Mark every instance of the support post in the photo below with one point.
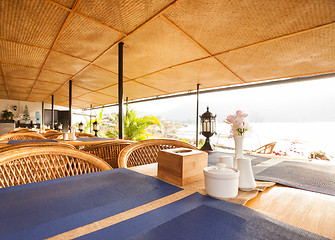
(120, 90)
(52, 113)
(197, 119)
(91, 120)
(42, 118)
(70, 103)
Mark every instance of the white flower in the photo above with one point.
(238, 125)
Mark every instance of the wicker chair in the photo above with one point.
(44, 163)
(79, 135)
(266, 149)
(16, 130)
(146, 152)
(108, 151)
(21, 135)
(51, 131)
(51, 135)
(34, 145)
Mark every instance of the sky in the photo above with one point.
(307, 101)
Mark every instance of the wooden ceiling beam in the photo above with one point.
(277, 38)
(88, 18)
(120, 40)
(214, 55)
(200, 46)
(59, 5)
(4, 79)
(67, 20)
(24, 44)
(29, 45)
(100, 23)
(173, 66)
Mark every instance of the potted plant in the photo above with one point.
(7, 115)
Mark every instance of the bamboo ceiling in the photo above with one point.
(169, 46)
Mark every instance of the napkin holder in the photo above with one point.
(181, 166)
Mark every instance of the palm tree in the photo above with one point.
(99, 118)
(134, 126)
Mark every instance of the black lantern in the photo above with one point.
(208, 128)
(96, 128)
(81, 127)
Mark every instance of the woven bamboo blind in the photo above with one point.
(169, 46)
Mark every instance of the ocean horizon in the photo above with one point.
(301, 137)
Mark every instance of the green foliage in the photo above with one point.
(7, 114)
(201, 143)
(134, 126)
(101, 122)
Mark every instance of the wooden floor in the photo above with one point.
(311, 211)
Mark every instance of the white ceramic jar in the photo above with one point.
(65, 136)
(221, 182)
(228, 160)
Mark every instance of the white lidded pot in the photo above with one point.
(221, 182)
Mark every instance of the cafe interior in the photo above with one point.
(86, 54)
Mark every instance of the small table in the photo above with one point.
(311, 211)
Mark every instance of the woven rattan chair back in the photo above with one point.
(44, 163)
(266, 149)
(34, 145)
(146, 152)
(20, 130)
(79, 135)
(51, 135)
(108, 151)
(51, 131)
(21, 135)
(83, 135)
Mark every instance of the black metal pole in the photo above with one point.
(70, 103)
(120, 90)
(91, 120)
(42, 118)
(197, 119)
(52, 113)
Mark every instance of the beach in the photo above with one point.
(294, 138)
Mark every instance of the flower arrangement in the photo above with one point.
(238, 124)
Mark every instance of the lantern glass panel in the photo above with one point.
(208, 126)
(203, 125)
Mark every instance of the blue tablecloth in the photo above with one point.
(44, 209)
(30, 141)
(199, 217)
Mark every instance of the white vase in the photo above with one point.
(246, 178)
(238, 148)
(73, 136)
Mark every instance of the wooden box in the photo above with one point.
(181, 166)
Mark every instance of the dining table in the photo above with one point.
(134, 203)
(78, 143)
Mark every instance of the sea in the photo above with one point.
(297, 139)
